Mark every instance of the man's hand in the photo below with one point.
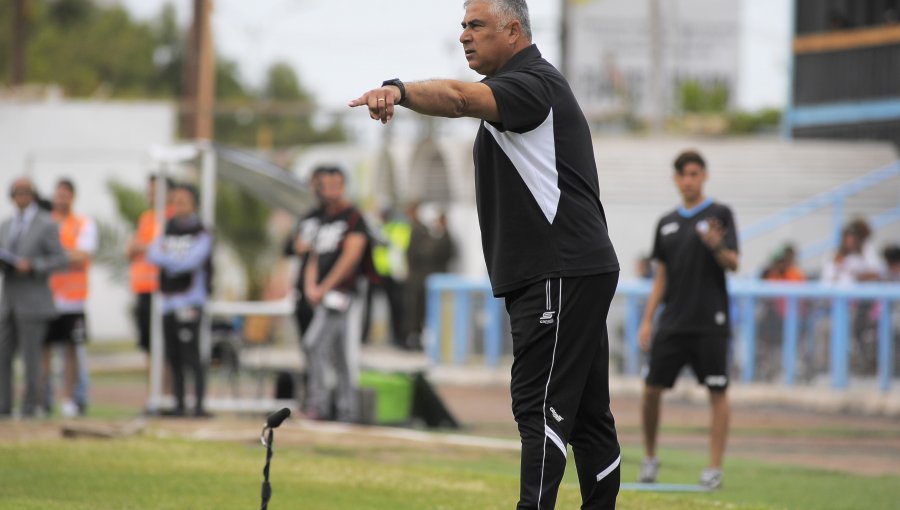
(644, 335)
(714, 234)
(313, 295)
(135, 248)
(23, 266)
(380, 101)
(301, 246)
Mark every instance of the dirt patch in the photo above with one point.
(854, 444)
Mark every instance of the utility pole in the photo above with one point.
(200, 83)
(564, 37)
(17, 63)
(657, 70)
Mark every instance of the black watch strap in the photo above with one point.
(399, 84)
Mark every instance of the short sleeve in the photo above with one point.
(357, 224)
(658, 253)
(89, 238)
(523, 99)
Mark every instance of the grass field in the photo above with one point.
(165, 471)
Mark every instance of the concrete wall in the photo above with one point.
(91, 143)
(757, 177)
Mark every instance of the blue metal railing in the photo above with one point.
(745, 295)
(835, 198)
(462, 291)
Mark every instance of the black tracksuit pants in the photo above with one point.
(560, 388)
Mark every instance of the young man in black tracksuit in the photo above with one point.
(693, 247)
(545, 241)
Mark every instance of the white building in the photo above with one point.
(90, 142)
(618, 49)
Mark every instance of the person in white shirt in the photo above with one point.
(78, 236)
(854, 261)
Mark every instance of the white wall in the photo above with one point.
(90, 143)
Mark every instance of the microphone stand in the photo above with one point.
(267, 437)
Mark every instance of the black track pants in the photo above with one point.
(560, 388)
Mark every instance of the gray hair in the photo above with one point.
(508, 11)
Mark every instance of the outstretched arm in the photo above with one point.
(438, 98)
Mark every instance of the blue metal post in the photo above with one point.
(492, 330)
(433, 324)
(840, 332)
(462, 318)
(885, 346)
(748, 329)
(631, 332)
(791, 330)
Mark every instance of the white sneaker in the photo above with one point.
(711, 478)
(68, 409)
(649, 470)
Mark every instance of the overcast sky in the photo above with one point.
(343, 47)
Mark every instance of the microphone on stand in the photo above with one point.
(273, 421)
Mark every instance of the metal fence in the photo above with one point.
(809, 314)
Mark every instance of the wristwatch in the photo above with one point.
(399, 84)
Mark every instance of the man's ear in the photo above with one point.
(515, 31)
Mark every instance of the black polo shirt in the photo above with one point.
(306, 229)
(328, 245)
(536, 184)
(696, 298)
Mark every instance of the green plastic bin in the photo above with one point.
(393, 395)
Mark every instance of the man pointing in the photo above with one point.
(545, 244)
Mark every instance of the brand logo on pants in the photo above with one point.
(547, 317)
(556, 415)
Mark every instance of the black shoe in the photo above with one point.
(202, 413)
(178, 412)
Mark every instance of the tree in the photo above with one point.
(91, 50)
(273, 128)
(241, 223)
(130, 203)
(282, 84)
(695, 97)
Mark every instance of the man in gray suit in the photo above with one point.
(29, 251)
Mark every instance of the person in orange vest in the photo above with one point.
(143, 273)
(78, 236)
